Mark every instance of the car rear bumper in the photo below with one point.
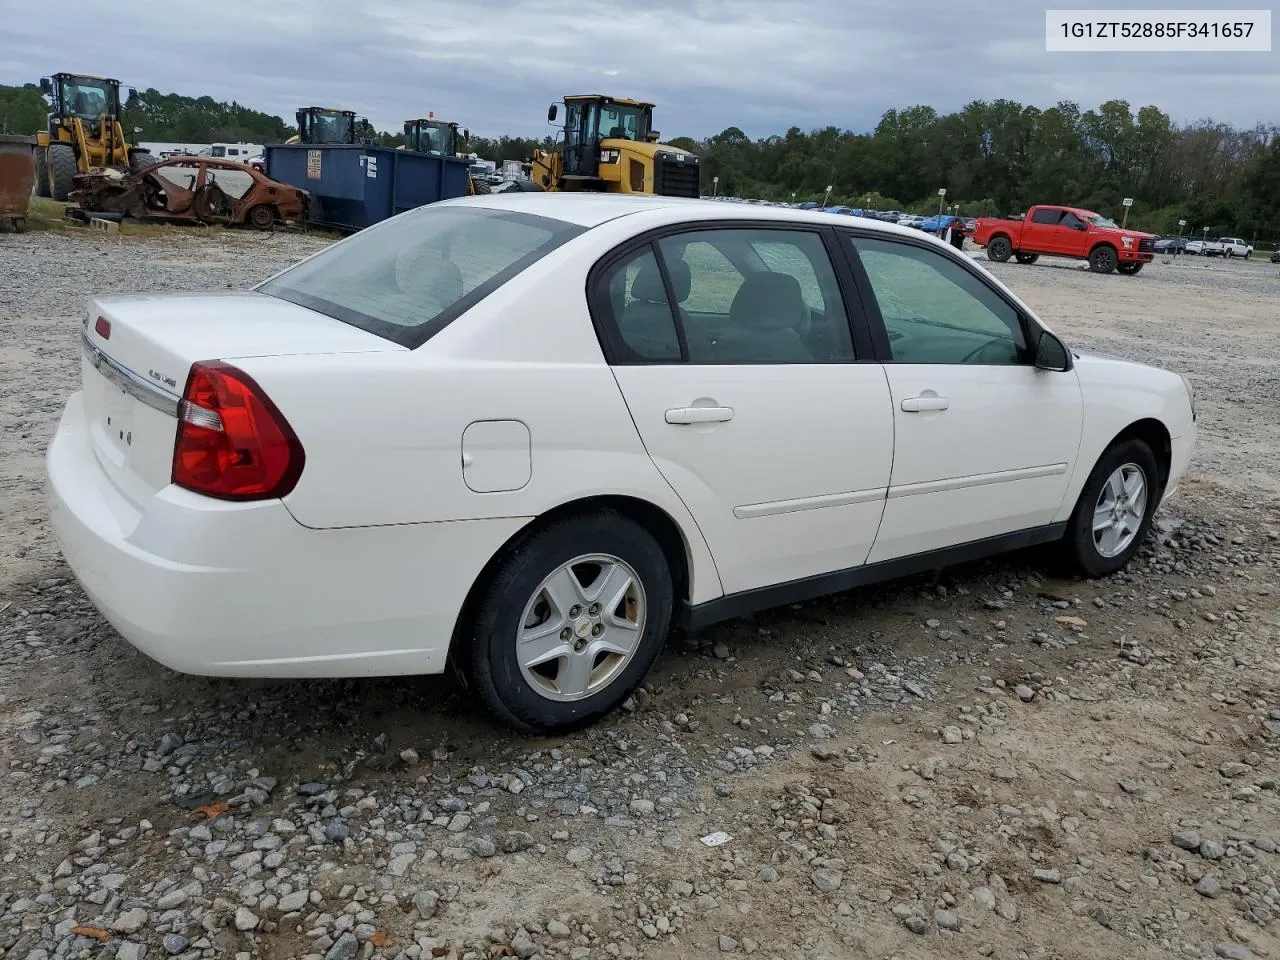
(242, 589)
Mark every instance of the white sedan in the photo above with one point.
(524, 435)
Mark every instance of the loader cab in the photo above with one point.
(84, 98)
(592, 119)
(321, 125)
(436, 137)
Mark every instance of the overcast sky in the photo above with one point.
(495, 65)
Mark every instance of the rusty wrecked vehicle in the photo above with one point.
(191, 188)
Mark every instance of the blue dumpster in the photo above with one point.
(355, 185)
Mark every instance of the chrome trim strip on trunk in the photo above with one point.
(128, 381)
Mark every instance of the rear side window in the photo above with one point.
(1047, 216)
(406, 278)
(732, 295)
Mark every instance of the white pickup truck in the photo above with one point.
(1228, 247)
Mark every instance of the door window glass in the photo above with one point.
(641, 313)
(936, 311)
(757, 296)
(1046, 215)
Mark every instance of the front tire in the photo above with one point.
(999, 249)
(1113, 515)
(62, 170)
(1026, 259)
(1130, 268)
(42, 172)
(139, 159)
(1103, 259)
(570, 623)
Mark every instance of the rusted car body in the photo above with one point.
(17, 176)
(192, 188)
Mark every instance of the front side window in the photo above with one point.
(1071, 221)
(405, 278)
(936, 311)
(619, 122)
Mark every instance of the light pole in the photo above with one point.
(942, 193)
(1178, 249)
(826, 196)
(715, 186)
(1128, 202)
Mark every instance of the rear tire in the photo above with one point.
(42, 172)
(550, 696)
(999, 249)
(1027, 258)
(528, 186)
(261, 217)
(62, 170)
(1086, 543)
(1103, 259)
(480, 187)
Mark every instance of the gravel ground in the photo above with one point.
(992, 761)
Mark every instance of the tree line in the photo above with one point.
(992, 157)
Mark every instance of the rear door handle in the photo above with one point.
(699, 414)
(918, 404)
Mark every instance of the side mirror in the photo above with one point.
(1052, 353)
(46, 86)
(653, 136)
(552, 112)
(1082, 227)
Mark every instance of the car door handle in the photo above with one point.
(699, 414)
(918, 404)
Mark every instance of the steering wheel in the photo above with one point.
(978, 350)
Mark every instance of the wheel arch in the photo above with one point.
(670, 536)
(1149, 429)
(1155, 435)
(1105, 243)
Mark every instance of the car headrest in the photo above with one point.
(769, 301)
(648, 282)
(438, 279)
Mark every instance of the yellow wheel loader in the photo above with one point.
(610, 146)
(320, 125)
(84, 133)
(440, 138)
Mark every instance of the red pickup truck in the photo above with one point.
(1065, 232)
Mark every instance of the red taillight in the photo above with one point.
(103, 328)
(233, 443)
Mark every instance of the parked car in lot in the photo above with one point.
(1275, 255)
(1171, 245)
(1066, 232)
(526, 434)
(1195, 247)
(1228, 247)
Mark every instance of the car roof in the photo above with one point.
(592, 209)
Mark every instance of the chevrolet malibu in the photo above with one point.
(522, 436)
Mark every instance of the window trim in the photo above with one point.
(1031, 328)
(600, 307)
(562, 232)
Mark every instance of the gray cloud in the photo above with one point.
(494, 65)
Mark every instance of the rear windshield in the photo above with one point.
(406, 278)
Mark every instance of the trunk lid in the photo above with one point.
(137, 351)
